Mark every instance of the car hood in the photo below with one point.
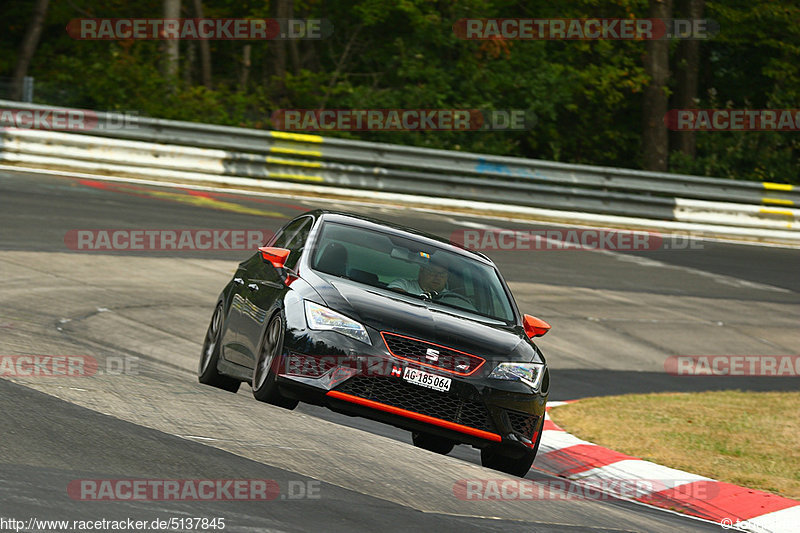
(386, 311)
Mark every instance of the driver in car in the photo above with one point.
(431, 280)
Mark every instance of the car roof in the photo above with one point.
(366, 222)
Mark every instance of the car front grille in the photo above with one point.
(431, 354)
(523, 424)
(398, 393)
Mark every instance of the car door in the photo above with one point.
(233, 348)
(264, 287)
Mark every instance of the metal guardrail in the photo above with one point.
(124, 141)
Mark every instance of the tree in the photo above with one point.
(28, 48)
(205, 49)
(655, 138)
(687, 68)
(172, 10)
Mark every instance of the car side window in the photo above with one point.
(286, 235)
(294, 239)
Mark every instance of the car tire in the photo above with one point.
(432, 443)
(265, 386)
(492, 457)
(207, 372)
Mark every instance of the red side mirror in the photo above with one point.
(534, 327)
(276, 256)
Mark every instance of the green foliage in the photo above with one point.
(586, 95)
(751, 64)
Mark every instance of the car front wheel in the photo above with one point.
(265, 386)
(432, 443)
(497, 459)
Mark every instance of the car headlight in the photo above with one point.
(324, 319)
(530, 374)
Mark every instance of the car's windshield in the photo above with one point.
(412, 267)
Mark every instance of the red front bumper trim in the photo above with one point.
(415, 416)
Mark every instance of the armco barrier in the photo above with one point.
(155, 147)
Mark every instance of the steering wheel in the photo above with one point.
(457, 296)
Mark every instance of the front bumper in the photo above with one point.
(348, 376)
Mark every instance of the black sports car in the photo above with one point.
(378, 320)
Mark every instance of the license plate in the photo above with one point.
(426, 379)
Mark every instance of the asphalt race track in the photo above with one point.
(616, 316)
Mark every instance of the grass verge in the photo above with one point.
(747, 438)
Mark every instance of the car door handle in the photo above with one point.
(252, 286)
(238, 281)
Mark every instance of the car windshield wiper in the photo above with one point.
(472, 311)
(398, 293)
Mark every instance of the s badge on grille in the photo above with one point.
(431, 354)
